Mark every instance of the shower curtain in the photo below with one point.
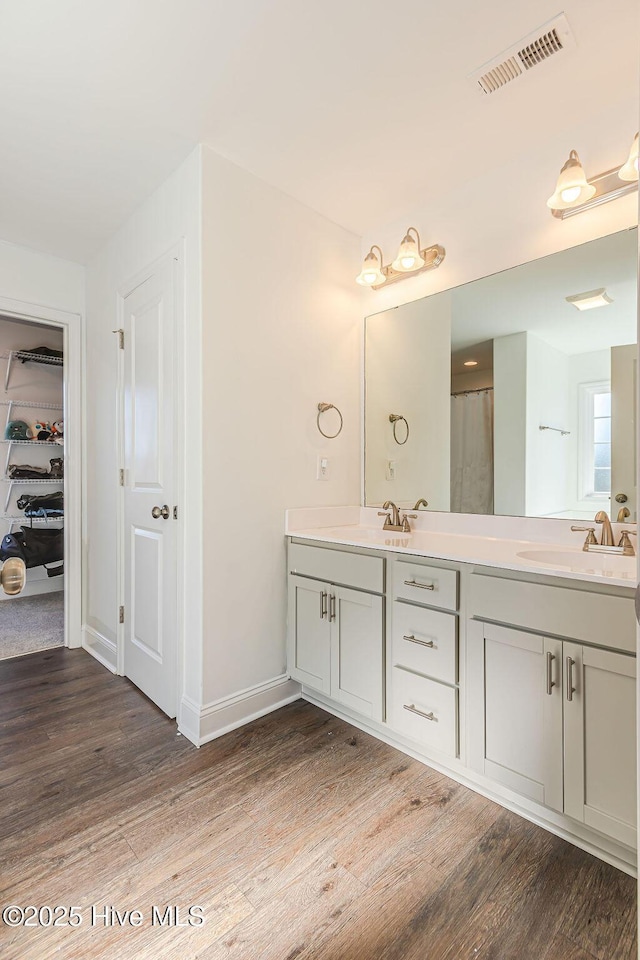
(472, 452)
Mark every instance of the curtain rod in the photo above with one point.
(464, 393)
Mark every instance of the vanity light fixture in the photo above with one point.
(590, 299)
(410, 261)
(372, 274)
(575, 193)
(572, 186)
(409, 258)
(629, 169)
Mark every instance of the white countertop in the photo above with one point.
(559, 557)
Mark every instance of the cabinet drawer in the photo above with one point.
(425, 641)
(596, 618)
(337, 566)
(411, 693)
(424, 583)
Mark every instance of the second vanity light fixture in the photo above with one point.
(410, 260)
(574, 193)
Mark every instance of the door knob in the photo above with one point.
(621, 498)
(158, 512)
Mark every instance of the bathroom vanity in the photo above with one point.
(506, 661)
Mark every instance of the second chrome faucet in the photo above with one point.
(607, 541)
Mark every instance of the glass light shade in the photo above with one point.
(629, 170)
(408, 258)
(572, 187)
(371, 273)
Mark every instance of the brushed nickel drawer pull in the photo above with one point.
(550, 680)
(422, 643)
(323, 604)
(411, 707)
(570, 687)
(423, 586)
(332, 607)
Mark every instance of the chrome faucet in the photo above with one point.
(606, 540)
(393, 521)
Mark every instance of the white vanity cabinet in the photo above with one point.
(336, 629)
(557, 717)
(599, 740)
(520, 685)
(423, 693)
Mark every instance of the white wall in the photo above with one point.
(171, 213)
(408, 370)
(547, 451)
(281, 332)
(37, 278)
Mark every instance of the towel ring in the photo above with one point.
(394, 418)
(322, 408)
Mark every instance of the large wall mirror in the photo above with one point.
(513, 394)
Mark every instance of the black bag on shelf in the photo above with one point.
(24, 471)
(50, 505)
(36, 547)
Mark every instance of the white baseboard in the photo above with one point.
(189, 720)
(34, 588)
(218, 717)
(100, 647)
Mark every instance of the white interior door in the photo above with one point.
(150, 530)
(624, 363)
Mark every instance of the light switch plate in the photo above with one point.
(323, 469)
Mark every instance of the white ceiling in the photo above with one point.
(356, 108)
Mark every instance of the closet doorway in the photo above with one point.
(36, 453)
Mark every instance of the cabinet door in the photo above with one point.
(523, 713)
(600, 740)
(356, 650)
(309, 632)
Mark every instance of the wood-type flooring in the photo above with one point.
(298, 836)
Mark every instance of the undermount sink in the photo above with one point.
(581, 560)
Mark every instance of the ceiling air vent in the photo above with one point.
(552, 38)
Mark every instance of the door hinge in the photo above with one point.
(120, 338)
(175, 513)
(121, 617)
(122, 478)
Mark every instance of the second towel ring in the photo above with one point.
(394, 418)
(322, 408)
